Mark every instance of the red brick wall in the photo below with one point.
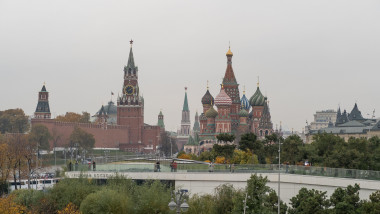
(151, 136)
(104, 138)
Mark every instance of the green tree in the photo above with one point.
(373, 205)
(106, 201)
(168, 144)
(258, 195)
(223, 195)
(346, 201)
(247, 141)
(41, 135)
(81, 138)
(272, 203)
(309, 201)
(225, 137)
(201, 204)
(270, 150)
(72, 190)
(206, 155)
(325, 144)
(13, 121)
(152, 197)
(223, 150)
(29, 198)
(290, 149)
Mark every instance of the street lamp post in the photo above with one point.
(171, 147)
(245, 201)
(175, 203)
(279, 173)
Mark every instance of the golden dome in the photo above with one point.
(229, 53)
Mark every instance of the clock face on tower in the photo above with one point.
(128, 90)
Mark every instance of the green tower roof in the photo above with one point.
(185, 103)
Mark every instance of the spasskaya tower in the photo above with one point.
(130, 105)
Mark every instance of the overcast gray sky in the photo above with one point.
(310, 55)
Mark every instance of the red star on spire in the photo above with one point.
(131, 42)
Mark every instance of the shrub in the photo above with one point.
(106, 201)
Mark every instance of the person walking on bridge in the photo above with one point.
(175, 166)
(211, 167)
(158, 166)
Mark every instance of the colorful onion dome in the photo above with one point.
(222, 98)
(207, 98)
(243, 113)
(244, 103)
(257, 98)
(211, 113)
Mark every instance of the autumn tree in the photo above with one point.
(5, 167)
(29, 156)
(16, 147)
(13, 121)
(9, 206)
(69, 209)
(74, 117)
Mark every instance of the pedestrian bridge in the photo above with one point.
(197, 179)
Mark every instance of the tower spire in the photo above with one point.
(258, 81)
(185, 103)
(131, 60)
(229, 76)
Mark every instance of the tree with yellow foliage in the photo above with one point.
(16, 147)
(74, 117)
(69, 209)
(5, 166)
(220, 159)
(8, 206)
(184, 156)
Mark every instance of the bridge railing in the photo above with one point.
(226, 168)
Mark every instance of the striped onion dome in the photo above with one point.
(211, 113)
(222, 98)
(257, 98)
(207, 98)
(244, 103)
(243, 113)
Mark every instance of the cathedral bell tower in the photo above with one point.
(130, 105)
(231, 87)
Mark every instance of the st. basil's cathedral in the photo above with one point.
(233, 115)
